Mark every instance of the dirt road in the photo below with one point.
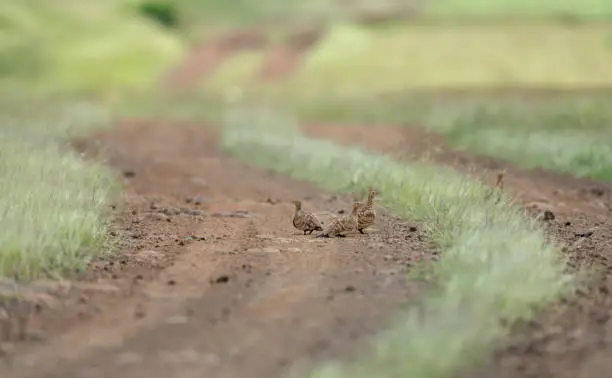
(212, 280)
(572, 338)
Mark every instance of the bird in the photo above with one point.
(305, 220)
(367, 213)
(499, 186)
(341, 226)
(500, 179)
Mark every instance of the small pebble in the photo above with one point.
(222, 279)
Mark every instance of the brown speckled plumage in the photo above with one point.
(343, 225)
(304, 220)
(367, 213)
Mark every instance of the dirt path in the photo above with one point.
(572, 338)
(215, 281)
(281, 58)
(279, 62)
(212, 280)
(205, 58)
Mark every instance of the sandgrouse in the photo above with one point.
(305, 220)
(367, 213)
(343, 225)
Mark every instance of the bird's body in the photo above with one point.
(342, 225)
(500, 179)
(367, 214)
(304, 220)
(499, 186)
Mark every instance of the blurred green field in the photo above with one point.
(570, 133)
(54, 203)
(57, 61)
(401, 73)
(81, 47)
(353, 61)
(247, 12)
(590, 9)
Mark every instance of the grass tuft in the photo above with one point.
(496, 264)
(52, 202)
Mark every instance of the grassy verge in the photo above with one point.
(571, 136)
(496, 264)
(567, 132)
(400, 74)
(53, 203)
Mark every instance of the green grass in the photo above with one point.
(82, 47)
(241, 12)
(54, 204)
(384, 75)
(246, 13)
(353, 61)
(569, 132)
(538, 139)
(495, 264)
(590, 9)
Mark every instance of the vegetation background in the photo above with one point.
(525, 81)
